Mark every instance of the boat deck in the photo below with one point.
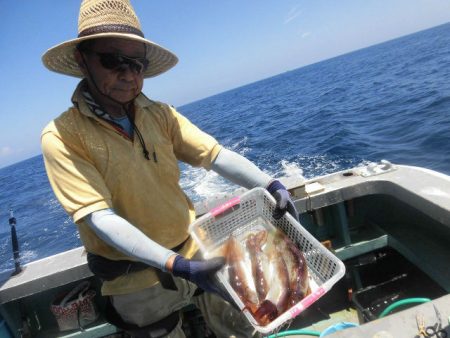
(358, 211)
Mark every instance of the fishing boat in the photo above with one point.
(389, 224)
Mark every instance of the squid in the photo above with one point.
(269, 273)
(278, 295)
(239, 274)
(259, 263)
(297, 268)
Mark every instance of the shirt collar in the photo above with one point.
(78, 100)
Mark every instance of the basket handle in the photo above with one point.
(306, 302)
(226, 208)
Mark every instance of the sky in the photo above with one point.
(221, 45)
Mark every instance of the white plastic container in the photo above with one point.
(250, 212)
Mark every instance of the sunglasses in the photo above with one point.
(119, 62)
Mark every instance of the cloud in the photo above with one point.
(306, 34)
(293, 13)
(5, 151)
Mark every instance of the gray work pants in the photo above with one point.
(153, 304)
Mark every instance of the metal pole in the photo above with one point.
(15, 243)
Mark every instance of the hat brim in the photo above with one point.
(61, 58)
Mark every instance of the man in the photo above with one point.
(112, 162)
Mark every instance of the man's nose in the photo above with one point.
(127, 73)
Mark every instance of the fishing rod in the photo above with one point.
(24, 331)
(15, 243)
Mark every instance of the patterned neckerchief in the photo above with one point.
(123, 124)
(95, 108)
(98, 111)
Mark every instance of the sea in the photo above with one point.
(389, 101)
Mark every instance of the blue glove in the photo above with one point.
(201, 273)
(283, 198)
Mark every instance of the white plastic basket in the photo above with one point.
(250, 212)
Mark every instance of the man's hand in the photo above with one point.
(200, 272)
(283, 198)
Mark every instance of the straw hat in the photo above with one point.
(107, 18)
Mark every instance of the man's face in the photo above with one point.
(121, 83)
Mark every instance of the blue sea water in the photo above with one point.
(389, 101)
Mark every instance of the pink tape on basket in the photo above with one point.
(305, 303)
(221, 208)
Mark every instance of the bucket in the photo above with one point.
(4, 332)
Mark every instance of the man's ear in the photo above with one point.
(80, 61)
